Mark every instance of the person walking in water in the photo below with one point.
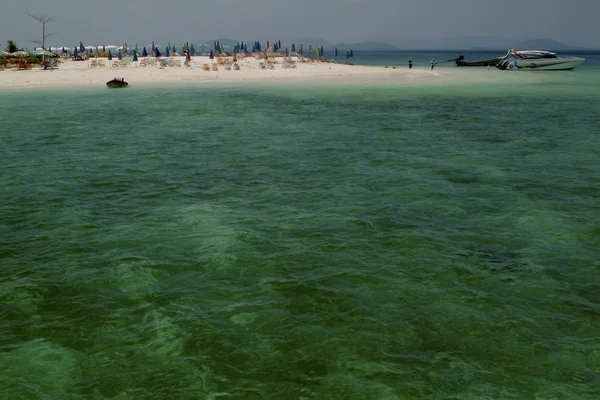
(409, 62)
(432, 63)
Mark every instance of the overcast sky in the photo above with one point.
(574, 22)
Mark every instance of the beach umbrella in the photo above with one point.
(321, 52)
(81, 48)
(293, 48)
(222, 49)
(144, 52)
(246, 48)
(103, 49)
(202, 49)
(351, 53)
(212, 55)
(287, 52)
(279, 44)
(347, 53)
(135, 58)
(300, 50)
(174, 51)
(192, 50)
(335, 52)
(63, 49)
(153, 47)
(167, 52)
(109, 55)
(75, 52)
(215, 45)
(310, 49)
(156, 52)
(96, 51)
(120, 56)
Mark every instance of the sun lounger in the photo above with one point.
(101, 63)
(142, 63)
(171, 62)
(178, 63)
(206, 67)
(115, 64)
(215, 67)
(163, 63)
(270, 65)
(236, 66)
(262, 65)
(123, 63)
(93, 64)
(50, 65)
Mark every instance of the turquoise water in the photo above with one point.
(316, 241)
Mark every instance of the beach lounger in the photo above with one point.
(50, 65)
(115, 64)
(178, 63)
(171, 62)
(123, 63)
(142, 63)
(101, 63)
(270, 65)
(215, 67)
(236, 66)
(206, 67)
(163, 63)
(93, 64)
(262, 65)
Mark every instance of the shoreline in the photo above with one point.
(81, 74)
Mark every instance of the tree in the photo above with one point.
(11, 46)
(44, 19)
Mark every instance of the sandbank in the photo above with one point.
(82, 73)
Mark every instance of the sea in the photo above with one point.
(434, 239)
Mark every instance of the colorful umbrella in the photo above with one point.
(167, 52)
(144, 52)
(212, 55)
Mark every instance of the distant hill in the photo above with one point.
(543, 44)
(364, 46)
(314, 41)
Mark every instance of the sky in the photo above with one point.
(407, 23)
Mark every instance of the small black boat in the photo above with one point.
(117, 83)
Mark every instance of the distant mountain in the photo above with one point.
(312, 40)
(543, 44)
(364, 46)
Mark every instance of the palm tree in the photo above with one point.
(11, 46)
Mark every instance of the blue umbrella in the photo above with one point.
(156, 53)
(192, 50)
(120, 56)
(321, 52)
(75, 52)
(103, 49)
(336, 51)
(144, 52)
(167, 52)
(63, 50)
(246, 48)
(174, 51)
(109, 55)
(215, 45)
(212, 55)
(293, 48)
(135, 56)
(351, 53)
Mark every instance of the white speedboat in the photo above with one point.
(538, 60)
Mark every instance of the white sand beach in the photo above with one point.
(84, 73)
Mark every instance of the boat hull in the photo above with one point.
(545, 64)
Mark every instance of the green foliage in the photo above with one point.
(11, 46)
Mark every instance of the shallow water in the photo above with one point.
(368, 241)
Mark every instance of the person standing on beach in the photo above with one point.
(432, 63)
(409, 62)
